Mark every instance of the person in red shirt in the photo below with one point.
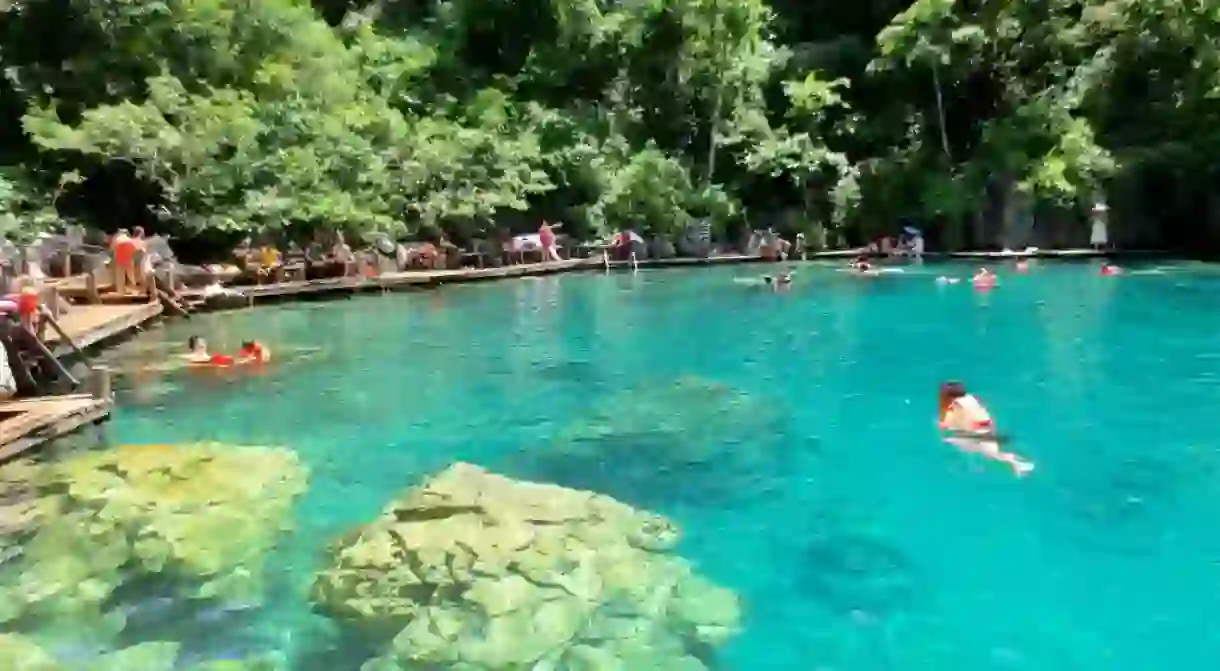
(124, 248)
(546, 237)
(254, 352)
(28, 304)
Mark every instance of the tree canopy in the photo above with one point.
(228, 117)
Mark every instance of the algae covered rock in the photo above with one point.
(19, 653)
(697, 438)
(472, 570)
(199, 517)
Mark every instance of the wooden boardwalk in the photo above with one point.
(27, 424)
(407, 279)
(87, 325)
(1058, 254)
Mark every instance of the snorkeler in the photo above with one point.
(968, 426)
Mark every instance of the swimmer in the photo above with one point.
(861, 264)
(1110, 269)
(1022, 266)
(254, 352)
(947, 280)
(968, 426)
(984, 279)
(197, 350)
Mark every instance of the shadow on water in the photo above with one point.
(627, 467)
(688, 441)
(857, 575)
(574, 371)
(1123, 507)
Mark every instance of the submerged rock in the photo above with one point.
(21, 653)
(200, 517)
(475, 571)
(695, 439)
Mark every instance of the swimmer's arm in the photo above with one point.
(949, 420)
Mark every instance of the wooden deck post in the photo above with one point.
(91, 291)
(99, 383)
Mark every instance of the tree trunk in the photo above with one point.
(714, 140)
(1016, 217)
(940, 113)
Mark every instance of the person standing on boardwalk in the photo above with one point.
(144, 261)
(546, 238)
(1099, 235)
(124, 249)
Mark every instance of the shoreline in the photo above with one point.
(249, 296)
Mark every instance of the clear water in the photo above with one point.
(875, 547)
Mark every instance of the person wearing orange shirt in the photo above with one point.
(253, 351)
(124, 249)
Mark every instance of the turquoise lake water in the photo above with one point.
(865, 544)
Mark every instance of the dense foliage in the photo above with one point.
(226, 117)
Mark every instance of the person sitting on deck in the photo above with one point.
(269, 262)
(342, 254)
(252, 351)
(624, 245)
(27, 303)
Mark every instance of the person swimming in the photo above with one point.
(1110, 269)
(861, 264)
(968, 426)
(197, 350)
(251, 351)
(1022, 266)
(254, 352)
(781, 280)
(984, 279)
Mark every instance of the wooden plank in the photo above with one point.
(90, 324)
(59, 418)
(23, 404)
(407, 278)
(695, 261)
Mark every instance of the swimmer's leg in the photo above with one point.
(991, 450)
